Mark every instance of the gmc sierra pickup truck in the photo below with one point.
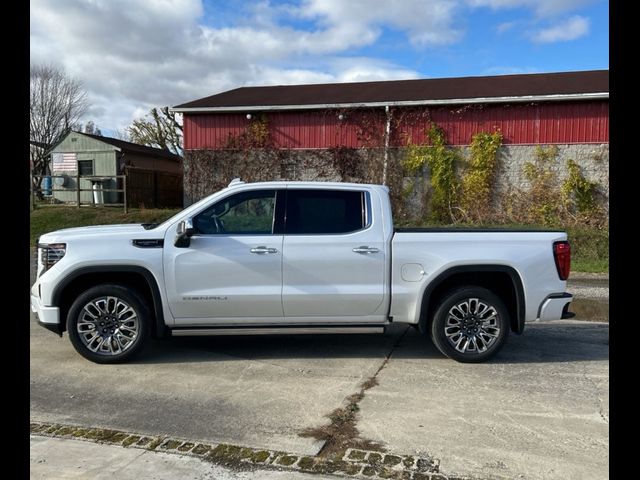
(295, 258)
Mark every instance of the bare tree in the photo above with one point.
(121, 135)
(91, 128)
(56, 103)
(159, 128)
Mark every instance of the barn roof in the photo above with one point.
(593, 84)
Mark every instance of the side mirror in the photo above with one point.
(183, 233)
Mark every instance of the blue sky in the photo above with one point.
(132, 55)
(492, 41)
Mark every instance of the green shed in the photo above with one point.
(154, 175)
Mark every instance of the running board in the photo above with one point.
(187, 332)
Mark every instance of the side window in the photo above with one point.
(248, 213)
(85, 167)
(324, 211)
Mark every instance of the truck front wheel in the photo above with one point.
(470, 324)
(108, 324)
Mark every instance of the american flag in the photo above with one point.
(63, 162)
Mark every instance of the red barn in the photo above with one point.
(568, 109)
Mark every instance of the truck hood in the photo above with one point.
(96, 230)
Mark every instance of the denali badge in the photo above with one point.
(204, 297)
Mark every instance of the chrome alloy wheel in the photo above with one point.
(108, 325)
(472, 326)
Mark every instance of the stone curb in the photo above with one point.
(355, 463)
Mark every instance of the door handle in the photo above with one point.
(261, 250)
(365, 249)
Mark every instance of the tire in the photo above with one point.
(116, 310)
(470, 324)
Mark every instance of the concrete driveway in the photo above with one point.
(538, 411)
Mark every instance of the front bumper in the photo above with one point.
(48, 317)
(555, 307)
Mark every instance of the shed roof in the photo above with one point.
(501, 88)
(129, 147)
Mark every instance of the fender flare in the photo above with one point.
(517, 324)
(160, 326)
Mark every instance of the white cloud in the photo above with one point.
(571, 29)
(504, 70)
(361, 69)
(505, 26)
(426, 22)
(542, 8)
(132, 56)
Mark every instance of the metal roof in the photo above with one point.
(582, 85)
(135, 147)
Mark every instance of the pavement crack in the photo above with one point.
(342, 432)
(598, 398)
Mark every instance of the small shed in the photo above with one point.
(153, 175)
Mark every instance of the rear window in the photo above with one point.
(324, 212)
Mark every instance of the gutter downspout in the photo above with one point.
(387, 132)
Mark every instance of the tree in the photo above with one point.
(56, 103)
(121, 135)
(91, 128)
(159, 128)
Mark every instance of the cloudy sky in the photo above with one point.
(132, 55)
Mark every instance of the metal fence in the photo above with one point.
(65, 190)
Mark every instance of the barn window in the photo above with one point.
(85, 168)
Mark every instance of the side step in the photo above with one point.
(187, 332)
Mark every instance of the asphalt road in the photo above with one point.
(538, 411)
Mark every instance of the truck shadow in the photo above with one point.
(541, 343)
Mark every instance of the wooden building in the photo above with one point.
(154, 175)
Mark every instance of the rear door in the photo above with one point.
(333, 258)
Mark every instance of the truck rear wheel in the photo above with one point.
(108, 324)
(470, 324)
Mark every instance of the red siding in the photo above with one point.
(543, 123)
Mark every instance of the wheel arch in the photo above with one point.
(502, 280)
(133, 276)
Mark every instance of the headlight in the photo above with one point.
(50, 253)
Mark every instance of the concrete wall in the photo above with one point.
(208, 171)
(593, 160)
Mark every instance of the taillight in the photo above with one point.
(562, 256)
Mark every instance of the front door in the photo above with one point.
(232, 270)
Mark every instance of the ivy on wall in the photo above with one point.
(478, 182)
(457, 190)
(579, 193)
(442, 162)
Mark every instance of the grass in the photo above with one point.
(589, 249)
(589, 246)
(48, 219)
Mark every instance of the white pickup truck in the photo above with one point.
(295, 257)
